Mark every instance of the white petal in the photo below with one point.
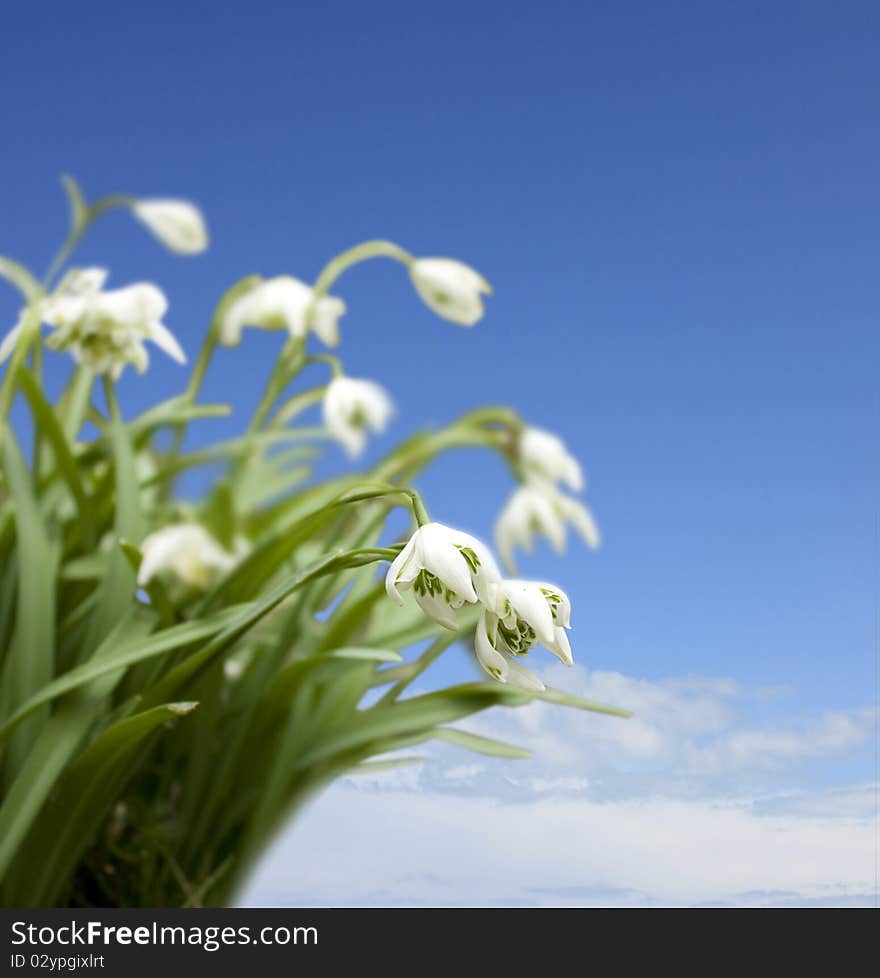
(544, 455)
(531, 605)
(560, 646)
(435, 607)
(438, 554)
(522, 678)
(325, 319)
(166, 341)
(496, 665)
(395, 572)
(178, 224)
(83, 281)
(136, 305)
(450, 288)
(581, 519)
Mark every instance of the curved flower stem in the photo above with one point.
(82, 221)
(414, 499)
(75, 400)
(287, 366)
(296, 405)
(418, 453)
(209, 345)
(333, 362)
(368, 249)
(412, 670)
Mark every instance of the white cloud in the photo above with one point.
(397, 848)
(688, 803)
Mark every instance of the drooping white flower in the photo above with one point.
(105, 331)
(540, 508)
(445, 568)
(188, 554)
(283, 302)
(543, 455)
(499, 666)
(531, 612)
(450, 288)
(353, 407)
(178, 224)
(521, 615)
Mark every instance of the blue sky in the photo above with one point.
(677, 205)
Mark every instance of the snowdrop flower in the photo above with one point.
(287, 303)
(544, 455)
(521, 615)
(540, 508)
(450, 288)
(445, 569)
(105, 331)
(352, 407)
(186, 552)
(178, 224)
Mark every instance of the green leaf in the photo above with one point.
(195, 663)
(31, 660)
(48, 424)
(377, 767)
(122, 653)
(21, 278)
(79, 209)
(218, 515)
(58, 741)
(371, 655)
(576, 702)
(481, 745)
(84, 794)
(418, 715)
(117, 589)
(154, 588)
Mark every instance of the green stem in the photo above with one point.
(362, 252)
(413, 498)
(286, 368)
(203, 361)
(30, 329)
(79, 229)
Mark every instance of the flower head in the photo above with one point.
(445, 569)
(543, 455)
(178, 224)
(540, 508)
(521, 615)
(287, 303)
(352, 407)
(450, 288)
(188, 554)
(103, 330)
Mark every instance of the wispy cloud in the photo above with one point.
(692, 802)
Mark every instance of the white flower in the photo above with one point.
(188, 553)
(450, 288)
(287, 303)
(445, 569)
(540, 508)
(502, 667)
(520, 615)
(103, 330)
(352, 407)
(544, 455)
(178, 224)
